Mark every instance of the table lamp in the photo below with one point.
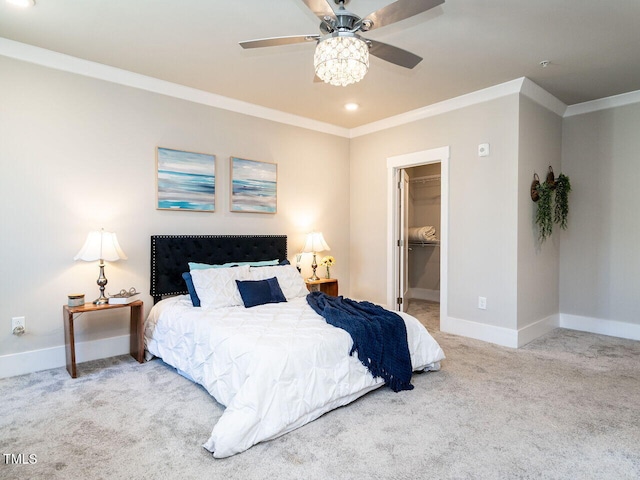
(101, 246)
(315, 243)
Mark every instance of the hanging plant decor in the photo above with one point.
(563, 187)
(548, 212)
(544, 214)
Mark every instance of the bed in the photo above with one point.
(275, 366)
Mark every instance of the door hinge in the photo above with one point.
(399, 300)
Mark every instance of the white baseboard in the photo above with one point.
(54, 357)
(537, 329)
(612, 328)
(505, 337)
(518, 338)
(480, 331)
(424, 294)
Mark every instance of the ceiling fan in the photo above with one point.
(342, 55)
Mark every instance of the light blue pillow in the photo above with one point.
(204, 266)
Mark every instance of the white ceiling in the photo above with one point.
(467, 45)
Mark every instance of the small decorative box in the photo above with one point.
(76, 300)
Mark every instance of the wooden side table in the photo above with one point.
(325, 285)
(137, 332)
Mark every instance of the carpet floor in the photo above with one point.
(563, 407)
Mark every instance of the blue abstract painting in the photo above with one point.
(253, 186)
(186, 180)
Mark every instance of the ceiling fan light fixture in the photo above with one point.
(341, 60)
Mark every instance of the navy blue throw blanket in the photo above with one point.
(379, 336)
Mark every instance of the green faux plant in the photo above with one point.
(561, 211)
(544, 213)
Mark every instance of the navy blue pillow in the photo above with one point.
(192, 290)
(259, 292)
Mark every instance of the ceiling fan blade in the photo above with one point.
(393, 54)
(321, 9)
(398, 10)
(277, 41)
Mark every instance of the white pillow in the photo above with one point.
(216, 287)
(289, 278)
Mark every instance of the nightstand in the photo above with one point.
(325, 285)
(137, 332)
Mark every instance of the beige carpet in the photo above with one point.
(563, 407)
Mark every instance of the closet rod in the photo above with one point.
(425, 179)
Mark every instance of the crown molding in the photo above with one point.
(603, 103)
(67, 63)
(520, 85)
(542, 97)
(479, 96)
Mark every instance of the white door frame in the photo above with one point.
(394, 164)
(402, 234)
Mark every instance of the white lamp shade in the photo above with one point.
(101, 245)
(315, 243)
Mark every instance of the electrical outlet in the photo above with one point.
(17, 322)
(482, 303)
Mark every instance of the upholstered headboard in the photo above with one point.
(170, 255)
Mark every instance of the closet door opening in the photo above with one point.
(418, 231)
(422, 264)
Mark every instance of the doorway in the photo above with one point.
(399, 220)
(423, 209)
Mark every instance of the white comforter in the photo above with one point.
(275, 367)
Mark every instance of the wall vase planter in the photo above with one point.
(551, 179)
(535, 196)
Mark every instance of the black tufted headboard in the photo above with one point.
(171, 253)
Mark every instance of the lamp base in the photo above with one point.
(101, 301)
(102, 282)
(314, 265)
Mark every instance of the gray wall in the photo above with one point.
(540, 145)
(78, 154)
(483, 207)
(599, 261)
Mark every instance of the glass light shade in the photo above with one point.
(315, 243)
(341, 61)
(101, 246)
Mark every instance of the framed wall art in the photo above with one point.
(185, 180)
(254, 186)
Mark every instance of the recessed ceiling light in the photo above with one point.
(351, 106)
(22, 3)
